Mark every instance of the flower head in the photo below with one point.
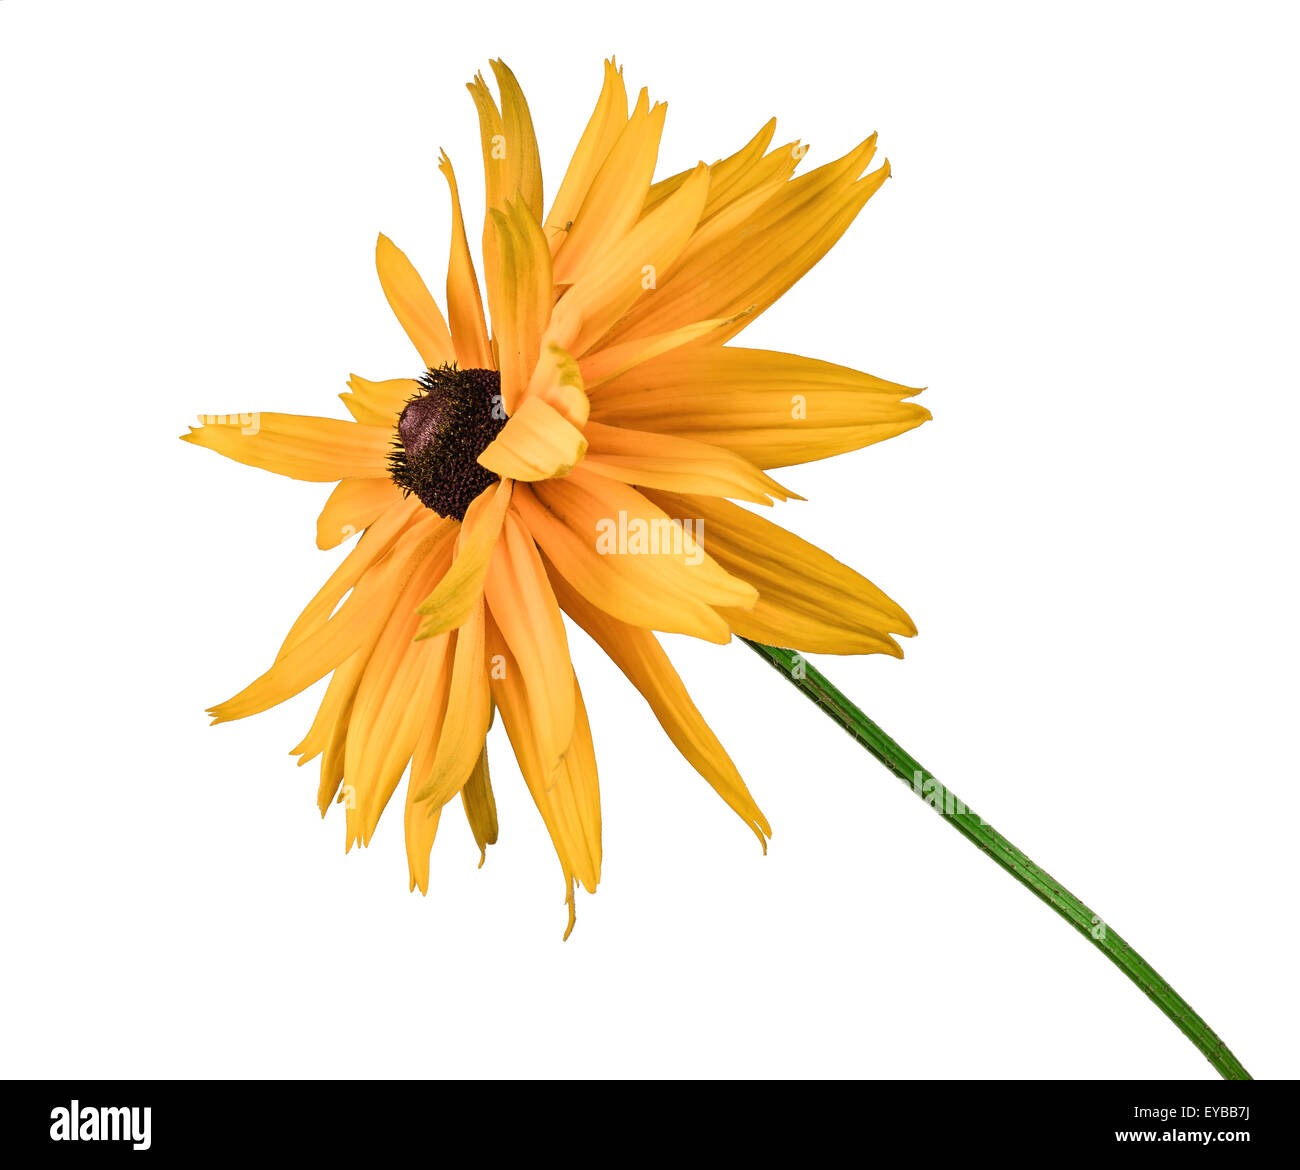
(581, 456)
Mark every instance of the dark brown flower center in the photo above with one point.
(441, 432)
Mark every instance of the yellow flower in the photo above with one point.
(579, 457)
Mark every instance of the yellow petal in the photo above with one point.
(603, 129)
(480, 805)
(464, 302)
(629, 558)
(455, 596)
(779, 162)
(731, 177)
(511, 166)
(519, 294)
(320, 652)
(783, 625)
(628, 527)
(378, 403)
(729, 221)
(675, 464)
(296, 445)
(774, 409)
(807, 599)
(413, 305)
(617, 193)
(727, 177)
(523, 606)
(374, 544)
(557, 380)
(576, 794)
(567, 795)
(392, 704)
(775, 279)
(629, 269)
(329, 729)
(421, 827)
(421, 821)
(493, 139)
(638, 655)
(737, 177)
(603, 365)
(762, 256)
(353, 506)
(522, 179)
(468, 717)
(537, 442)
(632, 589)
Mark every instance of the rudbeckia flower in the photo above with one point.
(576, 449)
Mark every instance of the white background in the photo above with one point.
(1088, 253)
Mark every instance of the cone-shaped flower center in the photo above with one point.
(441, 433)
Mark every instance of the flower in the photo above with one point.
(581, 457)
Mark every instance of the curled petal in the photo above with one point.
(537, 442)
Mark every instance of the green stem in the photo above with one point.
(869, 734)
